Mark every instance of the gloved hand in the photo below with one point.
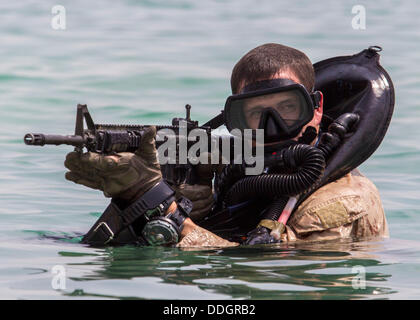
(123, 175)
(201, 194)
(260, 235)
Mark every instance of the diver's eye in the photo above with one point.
(287, 108)
(255, 113)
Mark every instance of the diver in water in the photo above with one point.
(273, 89)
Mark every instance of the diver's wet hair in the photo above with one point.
(265, 61)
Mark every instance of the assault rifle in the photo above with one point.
(107, 138)
(112, 138)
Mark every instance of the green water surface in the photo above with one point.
(141, 62)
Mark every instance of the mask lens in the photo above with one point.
(290, 105)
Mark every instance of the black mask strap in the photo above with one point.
(308, 136)
(266, 84)
(316, 98)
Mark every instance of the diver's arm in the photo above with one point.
(193, 235)
(200, 195)
(188, 224)
(196, 236)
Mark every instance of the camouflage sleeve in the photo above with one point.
(200, 237)
(348, 207)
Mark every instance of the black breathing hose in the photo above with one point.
(275, 209)
(307, 161)
(336, 132)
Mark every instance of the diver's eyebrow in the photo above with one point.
(286, 101)
(255, 107)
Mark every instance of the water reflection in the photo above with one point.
(300, 271)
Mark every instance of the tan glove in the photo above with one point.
(123, 175)
(201, 194)
(201, 197)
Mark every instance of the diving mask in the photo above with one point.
(279, 106)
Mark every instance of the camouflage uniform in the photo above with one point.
(349, 207)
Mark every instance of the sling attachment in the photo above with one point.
(115, 222)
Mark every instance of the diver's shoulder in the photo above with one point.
(338, 203)
(361, 184)
(353, 186)
(353, 183)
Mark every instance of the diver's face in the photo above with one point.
(316, 120)
(285, 103)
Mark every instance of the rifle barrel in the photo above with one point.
(39, 139)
